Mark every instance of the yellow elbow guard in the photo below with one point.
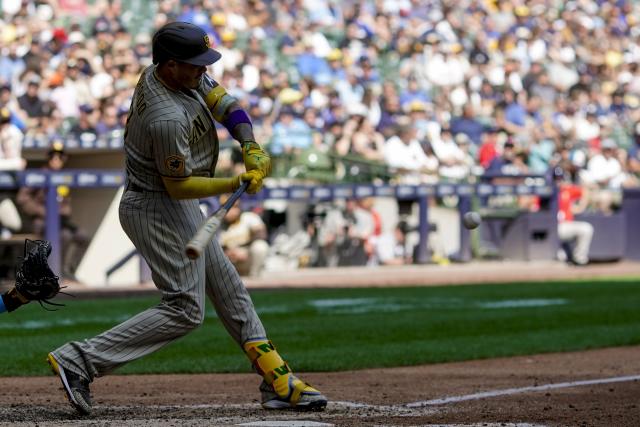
(218, 101)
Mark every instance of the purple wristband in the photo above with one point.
(236, 117)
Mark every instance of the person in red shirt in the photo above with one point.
(573, 199)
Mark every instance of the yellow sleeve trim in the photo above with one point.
(197, 187)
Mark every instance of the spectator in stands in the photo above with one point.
(413, 93)
(391, 247)
(109, 121)
(505, 162)
(84, 128)
(574, 235)
(404, 153)
(8, 101)
(291, 134)
(468, 125)
(243, 237)
(10, 143)
(604, 169)
(360, 138)
(32, 203)
(31, 103)
(452, 158)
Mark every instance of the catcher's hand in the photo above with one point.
(34, 279)
(255, 157)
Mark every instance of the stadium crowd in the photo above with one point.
(410, 91)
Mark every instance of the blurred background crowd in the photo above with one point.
(400, 91)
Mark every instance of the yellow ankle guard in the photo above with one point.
(275, 371)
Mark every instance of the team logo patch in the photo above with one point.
(206, 41)
(174, 164)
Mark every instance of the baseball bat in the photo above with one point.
(208, 229)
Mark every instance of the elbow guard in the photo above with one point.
(219, 101)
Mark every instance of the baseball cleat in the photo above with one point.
(301, 397)
(75, 387)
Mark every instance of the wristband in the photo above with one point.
(235, 118)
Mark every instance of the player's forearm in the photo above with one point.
(241, 131)
(197, 187)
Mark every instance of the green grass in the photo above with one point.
(339, 329)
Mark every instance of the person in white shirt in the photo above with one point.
(391, 248)
(243, 238)
(10, 143)
(453, 164)
(404, 153)
(604, 169)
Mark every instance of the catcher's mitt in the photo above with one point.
(34, 279)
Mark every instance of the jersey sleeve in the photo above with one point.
(206, 85)
(171, 151)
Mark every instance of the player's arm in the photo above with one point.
(227, 110)
(198, 187)
(170, 142)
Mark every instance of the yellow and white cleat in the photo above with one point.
(301, 397)
(281, 389)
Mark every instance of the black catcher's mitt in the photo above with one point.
(34, 279)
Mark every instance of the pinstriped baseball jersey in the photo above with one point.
(169, 133)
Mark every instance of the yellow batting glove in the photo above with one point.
(256, 158)
(254, 177)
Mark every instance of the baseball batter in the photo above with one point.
(171, 149)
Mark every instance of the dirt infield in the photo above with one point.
(592, 388)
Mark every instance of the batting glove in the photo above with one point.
(254, 177)
(255, 157)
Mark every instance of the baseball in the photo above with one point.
(471, 220)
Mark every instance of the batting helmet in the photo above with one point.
(183, 42)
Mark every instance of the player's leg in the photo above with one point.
(584, 235)
(258, 252)
(280, 388)
(159, 228)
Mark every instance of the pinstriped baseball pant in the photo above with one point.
(160, 227)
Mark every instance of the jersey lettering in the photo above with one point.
(198, 128)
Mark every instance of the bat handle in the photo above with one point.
(203, 236)
(236, 195)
